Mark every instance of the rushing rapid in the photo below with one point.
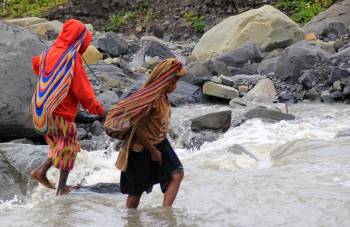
(289, 173)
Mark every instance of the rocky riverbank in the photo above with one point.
(255, 58)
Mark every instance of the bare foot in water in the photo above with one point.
(42, 179)
(67, 189)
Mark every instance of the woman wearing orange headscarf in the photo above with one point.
(62, 84)
(142, 120)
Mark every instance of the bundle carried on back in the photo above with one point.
(53, 87)
(124, 115)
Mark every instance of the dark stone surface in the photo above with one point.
(214, 121)
(103, 188)
(111, 43)
(267, 114)
(17, 81)
(197, 74)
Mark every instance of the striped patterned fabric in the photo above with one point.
(53, 87)
(125, 114)
(63, 140)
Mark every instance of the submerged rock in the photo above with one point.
(103, 188)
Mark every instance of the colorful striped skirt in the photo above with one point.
(63, 141)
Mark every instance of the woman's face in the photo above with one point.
(172, 85)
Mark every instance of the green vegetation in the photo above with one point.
(22, 8)
(196, 21)
(142, 15)
(302, 11)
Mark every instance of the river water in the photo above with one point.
(294, 173)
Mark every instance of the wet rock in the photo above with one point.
(17, 81)
(197, 74)
(264, 91)
(239, 150)
(103, 188)
(219, 90)
(241, 55)
(327, 97)
(199, 139)
(214, 121)
(88, 145)
(266, 26)
(151, 49)
(112, 43)
(15, 167)
(82, 133)
(346, 91)
(296, 58)
(268, 114)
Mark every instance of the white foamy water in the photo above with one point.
(290, 173)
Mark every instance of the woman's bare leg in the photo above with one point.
(173, 188)
(39, 174)
(133, 201)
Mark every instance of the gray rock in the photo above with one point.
(239, 150)
(264, 91)
(239, 80)
(346, 91)
(112, 43)
(103, 188)
(82, 133)
(219, 90)
(151, 49)
(337, 74)
(17, 81)
(268, 66)
(107, 99)
(16, 163)
(199, 139)
(267, 114)
(96, 128)
(327, 97)
(217, 68)
(214, 121)
(197, 74)
(337, 86)
(23, 141)
(339, 13)
(239, 71)
(296, 58)
(239, 56)
(89, 145)
(238, 102)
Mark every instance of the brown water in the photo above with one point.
(289, 174)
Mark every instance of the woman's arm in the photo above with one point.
(142, 137)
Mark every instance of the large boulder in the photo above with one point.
(266, 26)
(334, 20)
(151, 49)
(47, 30)
(16, 163)
(112, 43)
(17, 81)
(26, 21)
(197, 74)
(92, 55)
(298, 57)
(213, 121)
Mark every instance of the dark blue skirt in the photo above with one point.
(142, 173)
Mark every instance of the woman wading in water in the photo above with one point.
(62, 84)
(142, 120)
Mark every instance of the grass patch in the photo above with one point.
(196, 21)
(302, 11)
(26, 8)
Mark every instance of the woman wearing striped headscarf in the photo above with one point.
(142, 120)
(62, 84)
